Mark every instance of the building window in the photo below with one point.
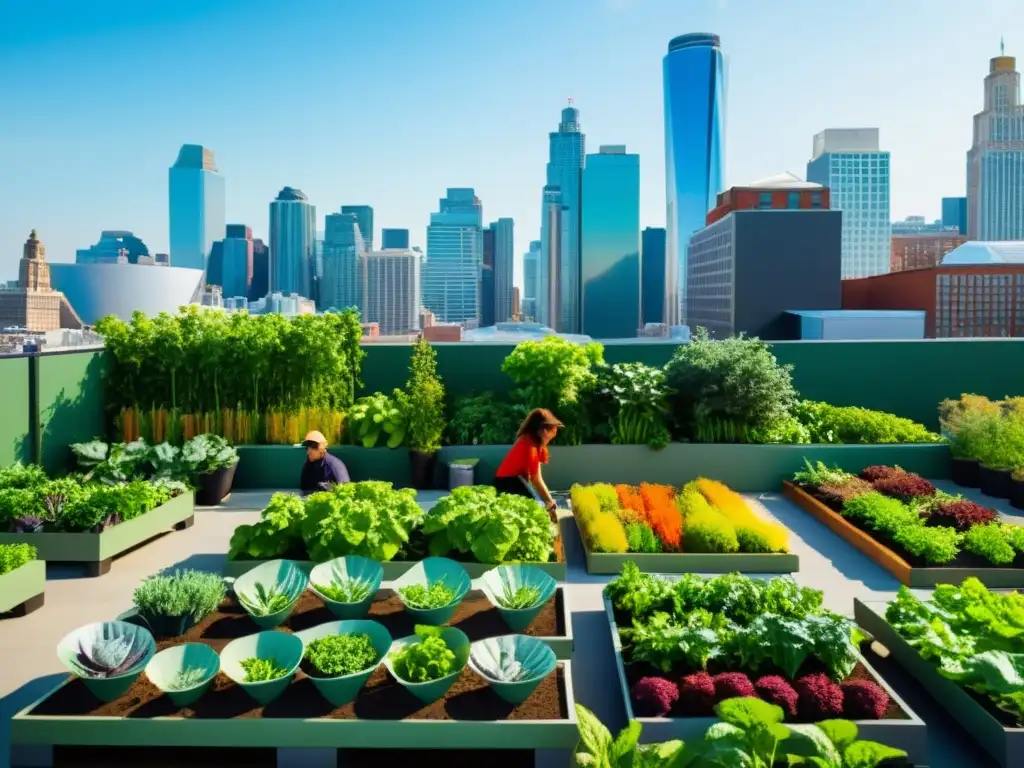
(764, 200)
(815, 199)
(793, 200)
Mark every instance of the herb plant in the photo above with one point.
(337, 655)
(435, 595)
(259, 670)
(109, 657)
(429, 659)
(424, 405)
(188, 678)
(181, 593)
(519, 598)
(346, 590)
(264, 601)
(13, 556)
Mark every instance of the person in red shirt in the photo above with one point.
(520, 469)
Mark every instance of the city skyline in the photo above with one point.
(773, 108)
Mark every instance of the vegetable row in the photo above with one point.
(704, 516)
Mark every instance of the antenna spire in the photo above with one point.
(1002, 46)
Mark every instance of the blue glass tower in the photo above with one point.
(652, 280)
(394, 238)
(610, 244)
(364, 215)
(694, 72)
(954, 214)
(196, 206)
(451, 275)
(292, 243)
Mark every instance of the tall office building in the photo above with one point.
(196, 205)
(451, 277)
(111, 247)
(531, 270)
(610, 244)
(995, 161)
(954, 214)
(652, 275)
(236, 261)
(394, 238)
(364, 215)
(849, 162)
(341, 285)
(695, 82)
(391, 291)
(260, 286)
(504, 255)
(487, 280)
(567, 149)
(292, 243)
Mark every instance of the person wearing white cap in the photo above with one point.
(322, 471)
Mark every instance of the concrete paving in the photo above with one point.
(30, 666)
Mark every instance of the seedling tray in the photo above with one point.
(395, 569)
(1004, 743)
(97, 550)
(909, 734)
(689, 562)
(924, 578)
(22, 590)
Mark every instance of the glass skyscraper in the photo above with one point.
(236, 261)
(954, 214)
(364, 215)
(394, 238)
(504, 250)
(694, 73)
(610, 244)
(341, 285)
(652, 275)
(849, 162)
(292, 243)
(451, 275)
(995, 161)
(531, 267)
(196, 206)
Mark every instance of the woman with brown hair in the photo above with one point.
(520, 470)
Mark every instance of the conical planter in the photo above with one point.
(432, 690)
(342, 689)
(184, 672)
(283, 649)
(349, 571)
(281, 579)
(422, 465)
(512, 665)
(168, 626)
(504, 582)
(213, 487)
(108, 656)
(430, 571)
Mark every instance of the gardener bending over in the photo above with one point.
(322, 471)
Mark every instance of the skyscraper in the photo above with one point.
(652, 275)
(196, 206)
(954, 214)
(391, 290)
(394, 238)
(487, 279)
(694, 74)
(504, 253)
(451, 277)
(561, 241)
(531, 269)
(849, 162)
(236, 261)
(260, 286)
(995, 161)
(610, 244)
(342, 283)
(292, 243)
(364, 215)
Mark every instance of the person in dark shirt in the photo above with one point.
(322, 471)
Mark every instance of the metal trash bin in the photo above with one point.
(461, 472)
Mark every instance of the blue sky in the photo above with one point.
(388, 102)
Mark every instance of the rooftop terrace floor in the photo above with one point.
(29, 666)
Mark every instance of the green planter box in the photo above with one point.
(98, 549)
(744, 468)
(21, 590)
(910, 735)
(1005, 744)
(284, 733)
(396, 569)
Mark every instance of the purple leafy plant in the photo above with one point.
(109, 657)
(27, 524)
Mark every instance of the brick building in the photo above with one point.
(782, 192)
(976, 291)
(921, 250)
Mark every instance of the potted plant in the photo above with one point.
(210, 462)
(963, 421)
(424, 406)
(1017, 488)
(1000, 448)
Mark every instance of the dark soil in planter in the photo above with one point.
(964, 472)
(994, 482)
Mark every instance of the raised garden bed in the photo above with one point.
(986, 724)
(888, 555)
(900, 727)
(395, 569)
(97, 550)
(385, 714)
(22, 590)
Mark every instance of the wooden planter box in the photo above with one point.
(910, 735)
(395, 569)
(97, 550)
(689, 562)
(22, 590)
(1005, 744)
(994, 578)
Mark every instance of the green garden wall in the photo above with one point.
(70, 404)
(14, 411)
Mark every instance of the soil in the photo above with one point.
(382, 698)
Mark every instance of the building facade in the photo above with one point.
(553, 233)
(781, 192)
(652, 275)
(504, 257)
(260, 286)
(695, 85)
(531, 280)
(451, 277)
(391, 291)
(954, 214)
(33, 304)
(196, 198)
(487, 279)
(610, 244)
(113, 245)
(236, 261)
(849, 162)
(995, 161)
(292, 243)
(364, 215)
(392, 239)
(342, 283)
(920, 251)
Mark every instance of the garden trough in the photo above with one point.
(1005, 744)
(22, 590)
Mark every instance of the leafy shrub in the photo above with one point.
(991, 542)
(376, 417)
(819, 697)
(424, 402)
(13, 556)
(776, 690)
(864, 700)
(22, 477)
(936, 546)
(904, 486)
(762, 535)
(879, 472)
(206, 453)
(483, 419)
(631, 398)
(729, 685)
(337, 655)
(961, 515)
(828, 423)
(179, 593)
(697, 695)
(654, 696)
(964, 421)
(642, 538)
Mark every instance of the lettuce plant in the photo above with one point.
(429, 659)
(259, 670)
(437, 594)
(337, 655)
